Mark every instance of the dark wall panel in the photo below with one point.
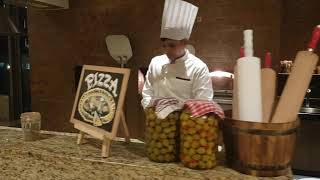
(299, 17)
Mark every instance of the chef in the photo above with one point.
(177, 73)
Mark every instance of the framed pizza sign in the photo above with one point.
(98, 105)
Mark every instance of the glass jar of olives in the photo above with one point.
(161, 136)
(198, 140)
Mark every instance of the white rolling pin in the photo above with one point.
(297, 83)
(235, 105)
(249, 83)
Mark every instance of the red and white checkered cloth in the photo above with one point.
(202, 107)
(165, 106)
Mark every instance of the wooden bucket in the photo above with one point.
(259, 149)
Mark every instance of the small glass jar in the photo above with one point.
(286, 66)
(198, 140)
(162, 136)
(30, 124)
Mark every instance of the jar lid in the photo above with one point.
(29, 116)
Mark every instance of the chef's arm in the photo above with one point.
(202, 85)
(147, 91)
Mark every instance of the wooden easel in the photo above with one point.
(99, 132)
(106, 142)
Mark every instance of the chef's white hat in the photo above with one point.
(177, 19)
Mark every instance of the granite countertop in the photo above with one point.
(57, 156)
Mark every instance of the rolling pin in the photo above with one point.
(235, 108)
(249, 82)
(268, 88)
(297, 83)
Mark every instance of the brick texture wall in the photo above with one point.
(61, 40)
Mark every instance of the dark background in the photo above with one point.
(61, 40)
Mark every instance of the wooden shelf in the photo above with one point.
(40, 4)
(49, 4)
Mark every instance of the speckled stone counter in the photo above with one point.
(57, 156)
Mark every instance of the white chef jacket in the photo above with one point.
(186, 78)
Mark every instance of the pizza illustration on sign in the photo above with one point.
(97, 106)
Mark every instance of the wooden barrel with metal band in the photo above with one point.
(259, 149)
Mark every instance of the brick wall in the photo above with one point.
(61, 40)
